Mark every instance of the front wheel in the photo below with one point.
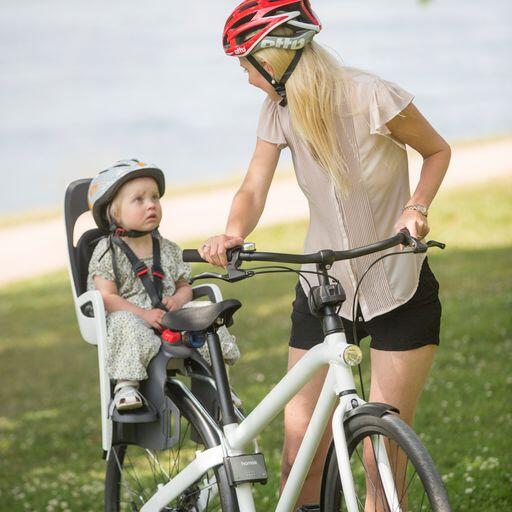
(417, 484)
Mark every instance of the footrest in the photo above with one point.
(145, 414)
(242, 469)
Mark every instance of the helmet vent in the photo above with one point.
(247, 6)
(242, 21)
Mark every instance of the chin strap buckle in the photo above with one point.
(141, 269)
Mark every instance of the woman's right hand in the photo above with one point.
(214, 249)
(153, 317)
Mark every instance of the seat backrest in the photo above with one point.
(75, 204)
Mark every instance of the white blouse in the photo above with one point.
(378, 189)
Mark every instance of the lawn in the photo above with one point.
(50, 449)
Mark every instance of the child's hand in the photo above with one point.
(154, 317)
(172, 303)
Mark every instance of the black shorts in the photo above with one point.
(411, 325)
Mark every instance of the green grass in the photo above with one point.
(49, 422)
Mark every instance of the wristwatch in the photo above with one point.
(418, 208)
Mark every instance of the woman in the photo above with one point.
(347, 130)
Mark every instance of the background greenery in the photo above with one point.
(50, 453)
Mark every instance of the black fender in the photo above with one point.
(376, 409)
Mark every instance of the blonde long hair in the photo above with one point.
(315, 91)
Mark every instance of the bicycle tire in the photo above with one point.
(360, 427)
(114, 484)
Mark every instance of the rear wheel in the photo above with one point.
(418, 485)
(134, 474)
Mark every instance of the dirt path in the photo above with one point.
(37, 248)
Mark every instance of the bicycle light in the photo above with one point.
(352, 355)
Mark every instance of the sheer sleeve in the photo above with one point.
(269, 126)
(387, 100)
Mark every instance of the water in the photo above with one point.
(87, 82)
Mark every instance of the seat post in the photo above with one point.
(221, 379)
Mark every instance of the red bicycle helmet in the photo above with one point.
(261, 17)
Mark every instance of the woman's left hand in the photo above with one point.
(415, 222)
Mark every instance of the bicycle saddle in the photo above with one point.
(199, 319)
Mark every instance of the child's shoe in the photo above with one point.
(127, 396)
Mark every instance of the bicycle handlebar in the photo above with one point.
(326, 257)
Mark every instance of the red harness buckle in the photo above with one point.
(158, 274)
(142, 272)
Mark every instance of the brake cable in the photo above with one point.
(354, 313)
(274, 269)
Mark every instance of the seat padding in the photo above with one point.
(200, 319)
(82, 256)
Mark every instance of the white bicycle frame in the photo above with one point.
(338, 383)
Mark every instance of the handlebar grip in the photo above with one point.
(404, 235)
(192, 256)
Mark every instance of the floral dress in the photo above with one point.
(131, 342)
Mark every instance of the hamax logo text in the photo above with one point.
(284, 43)
(240, 50)
(248, 463)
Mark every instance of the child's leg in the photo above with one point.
(131, 345)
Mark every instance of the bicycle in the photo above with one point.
(370, 441)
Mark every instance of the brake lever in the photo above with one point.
(433, 243)
(416, 245)
(205, 275)
(241, 274)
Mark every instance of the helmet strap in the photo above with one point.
(116, 230)
(278, 86)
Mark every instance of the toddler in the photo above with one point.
(139, 274)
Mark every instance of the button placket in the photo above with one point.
(341, 223)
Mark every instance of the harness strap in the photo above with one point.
(153, 287)
(115, 267)
(157, 271)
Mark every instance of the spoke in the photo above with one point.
(395, 470)
(403, 483)
(136, 478)
(410, 481)
(422, 498)
(364, 466)
(123, 481)
(361, 505)
(176, 465)
(381, 486)
(154, 461)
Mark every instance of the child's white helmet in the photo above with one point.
(105, 185)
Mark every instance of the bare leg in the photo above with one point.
(297, 414)
(397, 378)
